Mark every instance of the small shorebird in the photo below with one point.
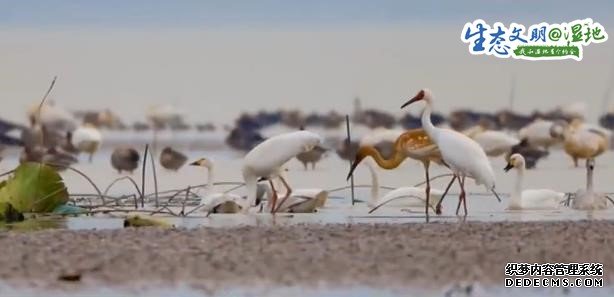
(415, 144)
(535, 199)
(171, 159)
(313, 156)
(125, 159)
(266, 159)
(463, 155)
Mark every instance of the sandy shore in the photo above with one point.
(375, 255)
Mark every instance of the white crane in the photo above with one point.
(533, 199)
(266, 159)
(463, 155)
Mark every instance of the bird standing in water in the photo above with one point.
(267, 158)
(415, 144)
(463, 155)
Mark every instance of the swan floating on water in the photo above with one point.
(216, 202)
(533, 199)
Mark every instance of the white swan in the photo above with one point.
(539, 199)
(405, 196)
(213, 202)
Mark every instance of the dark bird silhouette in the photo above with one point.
(347, 152)
(313, 156)
(125, 159)
(531, 154)
(172, 159)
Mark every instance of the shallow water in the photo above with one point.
(555, 172)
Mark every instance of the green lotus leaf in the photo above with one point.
(34, 187)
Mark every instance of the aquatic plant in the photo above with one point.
(34, 187)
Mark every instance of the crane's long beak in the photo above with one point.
(354, 165)
(195, 163)
(508, 167)
(412, 100)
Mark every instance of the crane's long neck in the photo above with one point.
(517, 191)
(374, 184)
(392, 163)
(427, 125)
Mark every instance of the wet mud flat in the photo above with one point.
(375, 255)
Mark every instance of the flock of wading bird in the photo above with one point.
(466, 156)
(465, 153)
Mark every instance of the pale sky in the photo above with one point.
(214, 59)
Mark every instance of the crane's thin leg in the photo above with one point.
(464, 196)
(460, 196)
(428, 188)
(438, 208)
(274, 198)
(288, 192)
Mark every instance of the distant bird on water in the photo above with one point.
(347, 151)
(87, 139)
(266, 159)
(583, 143)
(171, 159)
(313, 156)
(125, 159)
(463, 155)
(53, 157)
(531, 153)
